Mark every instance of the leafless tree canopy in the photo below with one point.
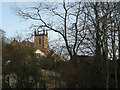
(83, 26)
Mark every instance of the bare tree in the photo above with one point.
(65, 19)
(84, 28)
(100, 15)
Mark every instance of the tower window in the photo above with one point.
(39, 40)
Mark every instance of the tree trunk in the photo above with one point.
(105, 53)
(119, 38)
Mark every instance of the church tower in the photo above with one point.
(41, 40)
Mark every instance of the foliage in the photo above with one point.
(46, 62)
(23, 63)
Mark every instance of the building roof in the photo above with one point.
(39, 52)
(22, 44)
(56, 56)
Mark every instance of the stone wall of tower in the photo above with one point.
(46, 43)
(41, 41)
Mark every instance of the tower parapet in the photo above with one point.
(39, 33)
